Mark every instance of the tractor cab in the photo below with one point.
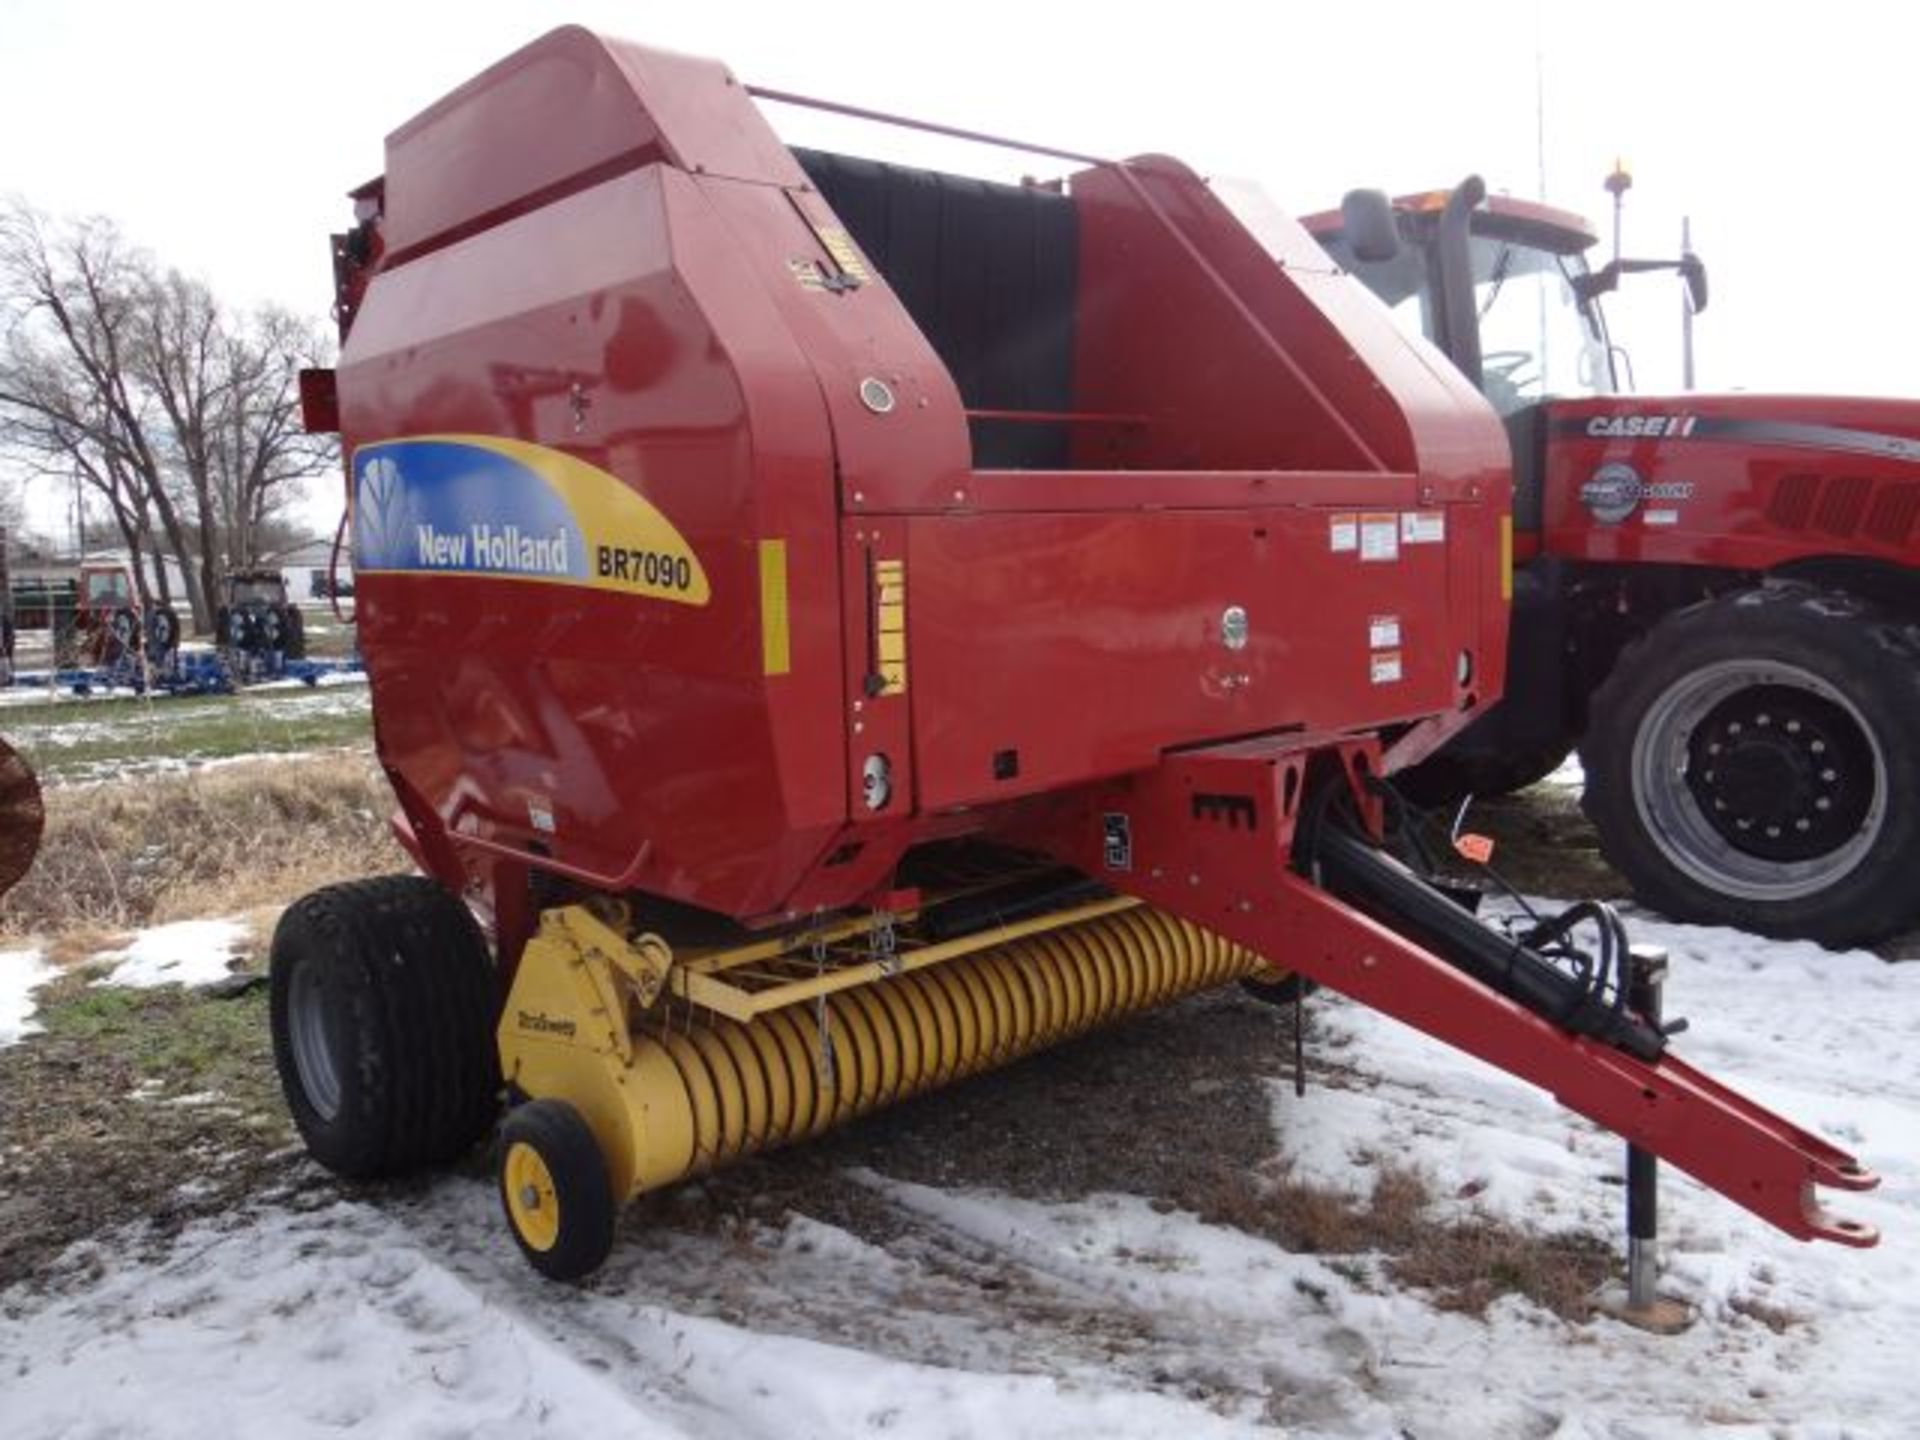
(1503, 287)
(1528, 316)
(106, 588)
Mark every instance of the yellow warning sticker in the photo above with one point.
(837, 244)
(890, 624)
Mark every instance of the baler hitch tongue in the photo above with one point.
(1784, 1166)
(1370, 928)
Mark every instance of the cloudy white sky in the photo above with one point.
(223, 136)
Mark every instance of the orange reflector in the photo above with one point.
(1476, 848)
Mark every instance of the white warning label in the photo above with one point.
(1383, 632)
(1423, 527)
(1385, 667)
(1343, 533)
(1379, 537)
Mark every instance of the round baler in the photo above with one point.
(835, 627)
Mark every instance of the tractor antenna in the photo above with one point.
(1618, 183)
(1686, 308)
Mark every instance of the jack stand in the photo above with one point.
(1644, 1307)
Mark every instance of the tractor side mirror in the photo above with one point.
(1366, 218)
(1693, 270)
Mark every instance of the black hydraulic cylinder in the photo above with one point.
(1375, 884)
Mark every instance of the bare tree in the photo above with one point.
(139, 384)
(260, 454)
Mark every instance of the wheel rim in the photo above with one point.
(531, 1202)
(311, 1031)
(1759, 780)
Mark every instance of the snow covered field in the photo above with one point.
(979, 1313)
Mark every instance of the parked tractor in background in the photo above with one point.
(1717, 598)
(836, 627)
(97, 618)
(256, 626)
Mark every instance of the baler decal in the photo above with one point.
(483, 505)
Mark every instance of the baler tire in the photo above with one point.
(1852, 668)
(383, 1002)
(554, 1190)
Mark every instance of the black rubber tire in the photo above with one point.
(120, 635)
(584, 1195)
(296, 630)
(1865, 654)
(401, 972)
(1448, 779)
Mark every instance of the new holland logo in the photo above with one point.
(486, 506)
(542, 1024)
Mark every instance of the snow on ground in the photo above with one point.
(988, 1314)
(21, 973)
(188, 952)
(1568, 775)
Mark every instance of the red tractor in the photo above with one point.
(101, 619)
(1717, 597)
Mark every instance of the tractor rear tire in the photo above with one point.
(1753, 761)
(296, 631)
(1448, 779)
(383, 1004)
(554, 1189)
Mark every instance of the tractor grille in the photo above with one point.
(1890, 518)
(1792, 505)
(1845, 506)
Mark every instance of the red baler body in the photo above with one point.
(642, 296)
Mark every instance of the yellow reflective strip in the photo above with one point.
(1506, 557)
(776, 641)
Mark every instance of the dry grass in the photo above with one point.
(1777, 1318)
(161, 848)
(1465, 1264)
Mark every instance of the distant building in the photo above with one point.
(305, 568)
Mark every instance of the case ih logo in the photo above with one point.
(1639, 427)
(1615, 490)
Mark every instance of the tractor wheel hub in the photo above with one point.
(1780, 772)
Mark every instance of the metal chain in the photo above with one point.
(886, 944)
(824, 1061)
